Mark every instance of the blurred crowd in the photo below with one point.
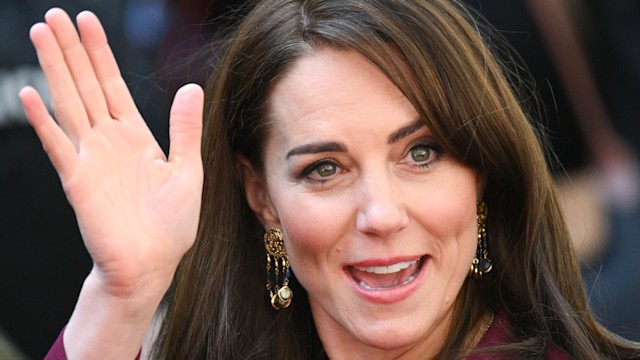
(583, 57)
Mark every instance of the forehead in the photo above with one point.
(333, 87)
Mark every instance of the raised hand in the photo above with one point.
(137, 210)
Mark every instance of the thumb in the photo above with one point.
(185, 124)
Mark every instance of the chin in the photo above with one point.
(391, 336)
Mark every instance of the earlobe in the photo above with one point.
(256, 193)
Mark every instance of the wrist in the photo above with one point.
(130, 292)
(112, 324)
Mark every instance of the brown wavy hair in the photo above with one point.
(435, 52)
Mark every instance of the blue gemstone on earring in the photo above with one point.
(287, 274)
(485, 265)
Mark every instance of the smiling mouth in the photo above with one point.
(386, 277)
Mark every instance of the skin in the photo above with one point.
(137, 209)
(352, 176)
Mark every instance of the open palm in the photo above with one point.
(137, 210)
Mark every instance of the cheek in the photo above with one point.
(313, 227)
(448, 214)
(449, 218)
(456, 248)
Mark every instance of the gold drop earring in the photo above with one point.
(481, 264)
(278, 269)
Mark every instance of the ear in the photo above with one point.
(257, 194)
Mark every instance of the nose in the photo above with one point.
(381, 211)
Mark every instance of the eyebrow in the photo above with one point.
(332, 146)
(405, 131)
(316, 148)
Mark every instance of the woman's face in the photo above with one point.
(379, 223)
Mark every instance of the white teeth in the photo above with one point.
(387, 269)
(364, 285)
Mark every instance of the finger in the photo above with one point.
(94, 39)
(56, 144)
(79, 65)
(185, 125)
(67, 105)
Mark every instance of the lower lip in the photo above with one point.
(389, 295)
